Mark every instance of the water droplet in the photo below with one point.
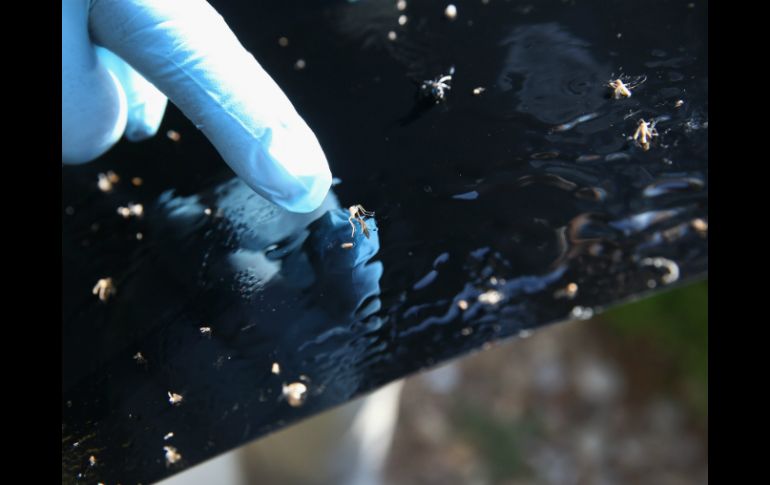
(472, 195)
(672, 186)
(582, 313)
(426, 280)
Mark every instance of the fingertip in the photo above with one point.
(94, 106)
(146, 104)
(300, 186)
(144, 119)
(309, 193)
(291, 166)
(89, 132)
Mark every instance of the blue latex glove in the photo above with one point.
(187, 50)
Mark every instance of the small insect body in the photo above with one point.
(644, 134)
(295, 394)
(104, 288)
(623, 85)
(619, 89)
(174, 398)
(172, 455)
(438, 87)
(357, 212)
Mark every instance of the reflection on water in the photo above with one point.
(553, 74)
(496, 214)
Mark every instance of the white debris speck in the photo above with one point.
(207, 211)
(168, 436)
(104, 183)
(700, 225)
(139, 236)
(206, 331)
(295, 393)
(173, 135)
(402, 20)
(401, 5)
(276, 368)
(477, 91)
(462, 305)
(139, 358)
(582, 313)
(137, 181)
(92, 460)
(450, 12)
(283, 41)
(135, 210)
(568, 291)
(392, 35)
(300, 64)
(491, 297)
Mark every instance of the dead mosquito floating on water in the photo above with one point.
(104, 288)
(295, 394)
(357, 212)
(174, 398)
(644, 134)
(438, 87)
(172, 455)
(622, 86)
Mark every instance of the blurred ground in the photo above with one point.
(620, 399)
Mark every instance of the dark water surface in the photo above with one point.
(500, 200)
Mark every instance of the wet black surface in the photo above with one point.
(514, 194)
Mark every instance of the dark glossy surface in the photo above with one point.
(522, 190)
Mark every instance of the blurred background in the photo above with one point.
(619, 399)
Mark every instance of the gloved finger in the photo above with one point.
(187, 50)
(93, 109)
(146, 104)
